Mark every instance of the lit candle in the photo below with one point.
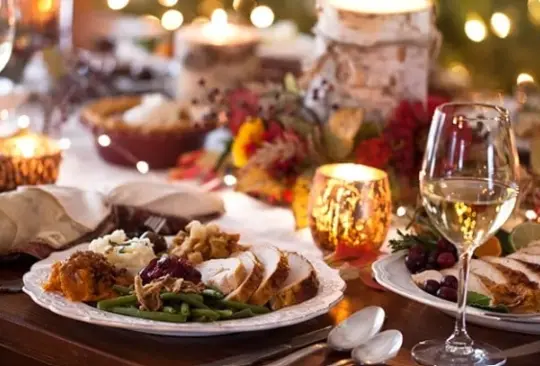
(218, 32)
(382, 6)
(28, 146)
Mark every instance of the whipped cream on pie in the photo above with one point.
(154, 109)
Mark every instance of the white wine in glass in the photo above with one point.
(469, 189)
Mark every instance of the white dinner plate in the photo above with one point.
(391, 273)
(330, 293)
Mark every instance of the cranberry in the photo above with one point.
(450, 281)
(431, 287)
(446, 260)
(447, 293)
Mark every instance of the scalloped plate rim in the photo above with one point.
(323, 302)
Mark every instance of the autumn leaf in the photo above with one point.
(340, 132)
(257, 182)
(300, 200)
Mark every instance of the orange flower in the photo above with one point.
(247, 141)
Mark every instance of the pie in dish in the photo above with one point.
(151, 128)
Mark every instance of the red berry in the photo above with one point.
(446, 260)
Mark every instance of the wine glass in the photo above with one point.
(7, 30)
(469, 188)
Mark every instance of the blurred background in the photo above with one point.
(489, 43)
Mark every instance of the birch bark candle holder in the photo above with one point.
(214, 56)
(373, 54)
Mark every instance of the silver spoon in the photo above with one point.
(350, 333)
(379, 349)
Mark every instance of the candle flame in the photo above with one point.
(382, 6)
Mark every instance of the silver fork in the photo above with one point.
(155, 223)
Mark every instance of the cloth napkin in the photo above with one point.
(40, 219)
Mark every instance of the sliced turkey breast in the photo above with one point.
(301, 283)
(224, 274)
(488, 272)
(254, 277)
(513, 269)
(527, 256)
(276, 270)
(420, 278)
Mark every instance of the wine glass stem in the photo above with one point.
(459, 342)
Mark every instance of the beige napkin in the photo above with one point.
(39, 220)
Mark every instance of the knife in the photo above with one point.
(247, 359)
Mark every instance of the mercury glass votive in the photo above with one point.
(28, 159)
(350, 205)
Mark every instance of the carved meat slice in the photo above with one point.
(514, 270)
(301, 284)
(254, 277)
(224, 274)
(420, 278)
(276, 270)
(528, 256)
(488, 272)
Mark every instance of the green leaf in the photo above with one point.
(290, 84)
(476, 299)
(483, 302)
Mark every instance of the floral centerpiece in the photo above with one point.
(278, 140)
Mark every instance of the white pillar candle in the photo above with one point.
(214, 55)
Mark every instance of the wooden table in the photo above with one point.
(30, 335)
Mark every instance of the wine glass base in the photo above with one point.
(433, 352)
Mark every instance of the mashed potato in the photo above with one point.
(133, 254)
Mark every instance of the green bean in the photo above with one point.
(212, 293)
(117, 301)
(210, 314)
(224, 314)
(235, 305)
(201, 319)
(151, 315)
(184, 309)
(122, 290)
(245, 313)
(169, 309)
(191, 299)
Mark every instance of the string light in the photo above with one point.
(229, 180)
(117, 4)
(143, 167)
(172, 19)
(475, 29)
(168, 2)
(23, 121)
(236, 4)
(401, 211)
(531, 215)
(104, 140)
(525, 78)
(501, 25)
(64, 143)
(219, 16)
(262, 16)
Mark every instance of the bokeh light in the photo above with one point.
(262, 16)
(475, 29)
(219, 16)
(64, 143)
(23, 121)
(104, 140)
(117, 4)
(534, 11)
(168, 2)
(524, 78)
(172, 19)
(501, 25)
(229, 180)
(143, 167)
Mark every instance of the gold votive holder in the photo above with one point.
(28, 159)
(350, 208)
